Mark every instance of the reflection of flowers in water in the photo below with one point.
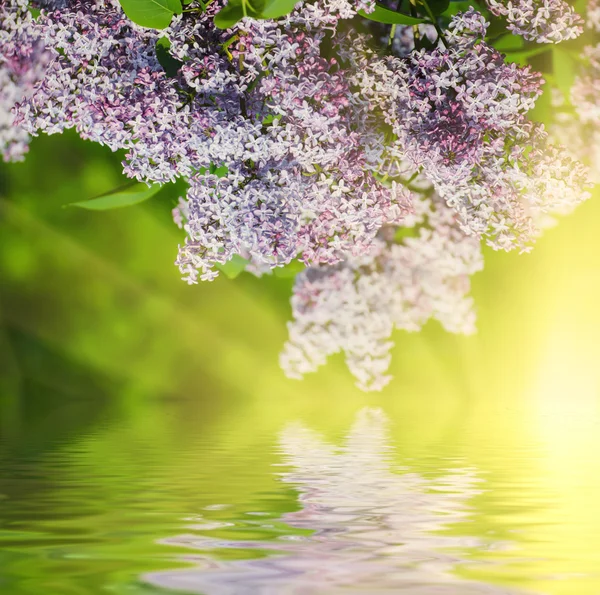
(375, 530)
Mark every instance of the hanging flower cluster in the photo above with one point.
(301, 139)
(576, 122)
(544, 21)
(23, 60)
(354, 306)
(459, 114)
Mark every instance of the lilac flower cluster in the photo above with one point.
(459, 114)
(303, 181)
(354, 306)
(593, 15)
(585, 90)
(576, 116)
(23, 60)
(293, 150)
(104, 80)
(544, 21)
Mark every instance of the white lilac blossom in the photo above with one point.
(354, 306)
(543, 21)
(585, 91)
(581, 140)
(576, 119)
(593, 15)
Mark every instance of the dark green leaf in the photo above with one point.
(170, 65)
(235, 10)
(125, 196)
(233, 267)
(228, 16)
(384, 15)
(436, 6)
(457, 6)
(155, 14)
(522, 56)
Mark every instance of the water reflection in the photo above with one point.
(366, 526)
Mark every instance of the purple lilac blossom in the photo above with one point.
(291, 153)
(543, 21)
(353, 307)
(305, 183)
(23, 61)
(458, 113)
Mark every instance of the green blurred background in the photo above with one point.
(104, 348)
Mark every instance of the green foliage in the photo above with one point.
(235, 10)
(215, 170)
(275, 9)
(220, 172)
(522, 56)
(389, 17)
(289, 270)
(270, 118)
(124, 196)
(456, 7)
(437, 7)
(154, 14)
(509, 43)
(237, 265)
(233, 267)
(170, 65)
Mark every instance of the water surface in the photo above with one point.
(183, 497)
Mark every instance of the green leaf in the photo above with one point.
(233, 267)
(220, 172)
(270, 118)
(228, 16)
(543, 109)
(154, 14)
(170, 65)
(236, 10)
(389, 17)
(522, 56)
(403, 233)
(456, 6)
(124, 196)
(275, 9)
(436, 6)
(509, 43)
(289, 270)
